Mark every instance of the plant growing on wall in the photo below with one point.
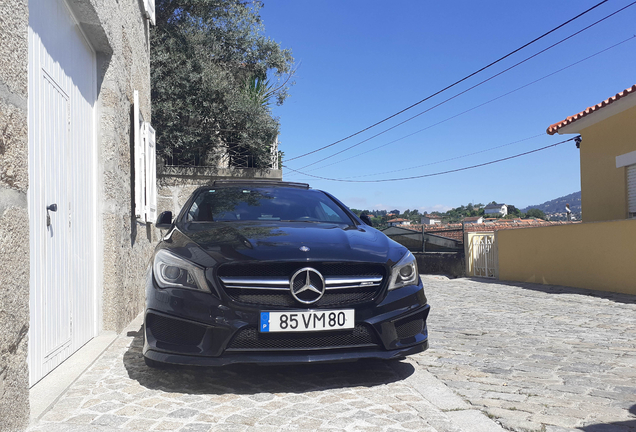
(213, 77)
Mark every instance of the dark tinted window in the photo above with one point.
(229, 204)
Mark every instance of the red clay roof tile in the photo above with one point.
(554, 128)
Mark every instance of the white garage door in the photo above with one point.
(62, 167)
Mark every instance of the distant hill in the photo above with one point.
(557, 205)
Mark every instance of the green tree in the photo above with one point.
(513, 212)
(211, 70)
(457, 214)
(536, 213)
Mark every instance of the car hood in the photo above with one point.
(285, 241)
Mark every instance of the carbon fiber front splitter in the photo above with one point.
(329, 356)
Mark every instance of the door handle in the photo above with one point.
(53, 208)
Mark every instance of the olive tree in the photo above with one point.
(213, 75)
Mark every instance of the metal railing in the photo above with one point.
(206, 157)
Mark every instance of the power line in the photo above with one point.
(437, 173)
(453, 158)
(470, 88)
(467, 111)
(455, 83)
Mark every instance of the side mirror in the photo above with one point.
(164, 221)
(366, 219)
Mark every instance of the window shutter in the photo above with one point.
(151, 173)
(139, 156)
(631, 190)
(149, 5)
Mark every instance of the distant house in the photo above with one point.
(474, 220)
(428, 219)
(500, 209)
(398, 222)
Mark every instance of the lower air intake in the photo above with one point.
(409, 327)
(174, 331)
(249, 339)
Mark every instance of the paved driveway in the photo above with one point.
(530, 357)
(535, 356)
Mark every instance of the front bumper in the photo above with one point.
(194, 328)
(279, 358)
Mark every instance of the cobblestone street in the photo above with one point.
(120, 391)
(533, 358)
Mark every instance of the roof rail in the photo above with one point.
(264, 182)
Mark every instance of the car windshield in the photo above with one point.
(229, 204)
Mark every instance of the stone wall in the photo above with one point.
(451, 264)
(118, 32)
(14, 216)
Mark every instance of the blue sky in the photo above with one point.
(361, 61)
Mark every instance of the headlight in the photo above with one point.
(172, 271)
(404, 272)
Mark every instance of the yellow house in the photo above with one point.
(599, 253)
(608, 156)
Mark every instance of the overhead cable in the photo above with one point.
(464, 112)
(437, 173)
(453, 158)
(455, 83)
(471, 88)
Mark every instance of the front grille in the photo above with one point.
(409, 327)
(174, 331)
(284, 298)
(268, 284)
(249, 339)
(288, 268)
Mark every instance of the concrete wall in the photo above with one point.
(603, 186)
(176, 184)
(598, 256)
(14, 216)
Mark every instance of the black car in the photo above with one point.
(277, 272)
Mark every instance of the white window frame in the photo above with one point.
(151, 173)
(630, 178)
(628, 160)
(149, 6)
(140, 160)
(145, 156)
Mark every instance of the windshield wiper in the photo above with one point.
(304, 221)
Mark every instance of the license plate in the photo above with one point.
(307, 321)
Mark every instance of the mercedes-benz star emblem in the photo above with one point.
(307, 285)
